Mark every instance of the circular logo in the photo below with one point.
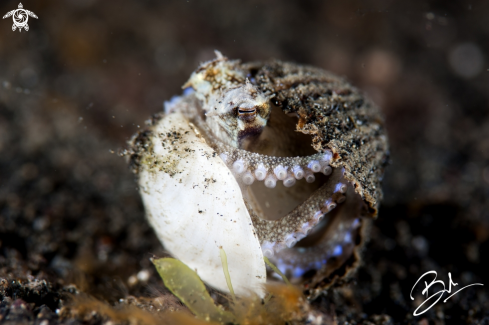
(20, 17)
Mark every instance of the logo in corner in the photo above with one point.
(20, 17)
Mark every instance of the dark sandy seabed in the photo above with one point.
(87, 74)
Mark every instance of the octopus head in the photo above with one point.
(239, 115)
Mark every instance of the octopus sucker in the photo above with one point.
(262, 159)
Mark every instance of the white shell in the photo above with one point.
(197, 207)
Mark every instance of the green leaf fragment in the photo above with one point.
(187, 286)
(224, 261)
(276, 270)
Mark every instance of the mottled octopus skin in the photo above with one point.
(349, 137)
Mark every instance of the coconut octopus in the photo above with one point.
(269, 159)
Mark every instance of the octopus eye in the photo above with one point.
(247, 113)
